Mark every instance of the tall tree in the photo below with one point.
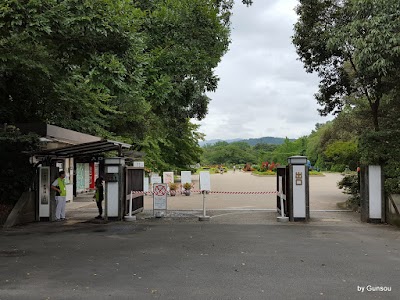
(353, 45)
(71, 63)
(134, 69)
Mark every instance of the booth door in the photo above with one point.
(134, 182)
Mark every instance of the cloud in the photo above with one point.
(263, 89)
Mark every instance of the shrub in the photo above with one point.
(350, 185)
(267, 172)
(173, 186)
(248, 168)
(187, 186)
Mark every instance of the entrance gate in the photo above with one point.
(293, 189)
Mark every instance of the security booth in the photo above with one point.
(84, 153)
(298, 189)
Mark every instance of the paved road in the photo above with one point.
(324, 194)
(164, 259)
(242, 209)
(238, 254)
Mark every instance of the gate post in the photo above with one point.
(372, 194)
(298, 180)
(115, 190)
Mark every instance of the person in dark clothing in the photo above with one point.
(99, 195)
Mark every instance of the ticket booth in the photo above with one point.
(298, 185)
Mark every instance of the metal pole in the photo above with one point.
(204, 217)
(130, 206)
(282, 207)
(129, 217)
(204, 203)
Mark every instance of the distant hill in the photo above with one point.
(252, 142)
(212, 142)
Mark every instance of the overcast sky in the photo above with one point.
(263, 88)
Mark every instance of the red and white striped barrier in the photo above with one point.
(217, 192)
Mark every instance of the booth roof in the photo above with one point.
(91, 148)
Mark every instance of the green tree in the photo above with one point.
(16, 171)
(353, 45)
(225, 153)
(71, 63)
(137, 70)
(340, 155)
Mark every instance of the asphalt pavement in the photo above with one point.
(185, 259)
(241, 253)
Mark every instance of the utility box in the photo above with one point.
(298, 183)
(114, 177)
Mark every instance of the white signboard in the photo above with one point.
(299, 191)
(375, 192)
(138, 164)
(205, 183)
(160, 196)
(146, 184)
(186, 176)
(44, 192)
(168, 177)
(112, 194)
(155, 179)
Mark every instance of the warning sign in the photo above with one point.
(160, 189)
(160, 196)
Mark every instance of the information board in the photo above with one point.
(205, 182)
(146, 185)
(168, 177)
(186, 177)
(154, 180)
(44, 192)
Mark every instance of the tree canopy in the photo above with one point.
(137, 70)
(354, 46)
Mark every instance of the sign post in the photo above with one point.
(205, 186)
(44, 192)
(160, 199)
